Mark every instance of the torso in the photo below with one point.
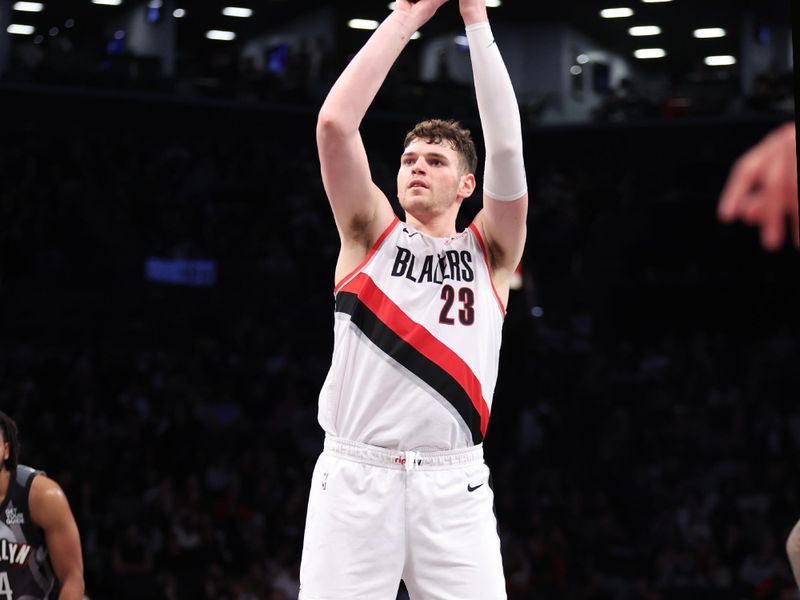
(417, 339)
(25, 569)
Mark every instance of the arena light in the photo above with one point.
(616, 13)
(217, 34)
(29, 6)
(367, 24)
(645, 53)
(710, 32)
(107, 2)
(18, 29)
(178, 13)
(720, 61)
(644, 30)
(237, 11)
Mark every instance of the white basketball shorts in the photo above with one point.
(376, 516)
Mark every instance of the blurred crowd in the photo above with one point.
(301, 73)
(645, 431)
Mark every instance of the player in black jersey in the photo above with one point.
(40, 548)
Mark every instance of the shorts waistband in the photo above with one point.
(408, 460)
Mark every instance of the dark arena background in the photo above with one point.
(166, 269)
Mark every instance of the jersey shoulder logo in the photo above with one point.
(13, 517)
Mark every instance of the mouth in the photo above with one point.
(417, 184)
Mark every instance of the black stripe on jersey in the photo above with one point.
(404, 353)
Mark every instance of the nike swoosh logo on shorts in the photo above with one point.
(472, 489)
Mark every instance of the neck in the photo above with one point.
(439, 226)
(5, 478)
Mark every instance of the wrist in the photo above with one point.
(409, 22)
(475, 16)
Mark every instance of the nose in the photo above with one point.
(419, 165)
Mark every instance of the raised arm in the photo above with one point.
(50, 511)
(505, 190)
(360, 209)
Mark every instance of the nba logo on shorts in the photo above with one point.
(324, 481)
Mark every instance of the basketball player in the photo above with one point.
(39, 540)
(401, 490)
(762, 188)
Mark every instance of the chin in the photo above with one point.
(415, 205)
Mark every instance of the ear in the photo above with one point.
(466, 186)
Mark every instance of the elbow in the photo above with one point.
(793, 544)
(326, 121)
(792, 550)
(330, 126)
(504, 147)
(505, 153)
(73, 585)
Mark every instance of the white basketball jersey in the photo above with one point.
(417, 340)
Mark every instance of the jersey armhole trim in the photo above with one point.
(369, 255)
(29, 482)
(475, 231)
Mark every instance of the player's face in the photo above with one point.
(430, 178)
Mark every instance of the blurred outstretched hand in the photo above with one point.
(762, 189)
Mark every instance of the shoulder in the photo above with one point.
(47, 502)
(502, 232)
(478, 233)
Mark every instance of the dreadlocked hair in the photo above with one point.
(8, 428)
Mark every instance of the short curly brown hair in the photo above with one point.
(434, 131)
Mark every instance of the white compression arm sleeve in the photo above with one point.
(504, 178)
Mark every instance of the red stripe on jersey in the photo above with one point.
(488, 267)
(421, 340)
(372, 251)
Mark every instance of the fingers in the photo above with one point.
(773, 198)
(780, 190)
(762, 189)
(423, 9)
(743, 178)
(794, 214)
(773, 227)
(792, 203)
